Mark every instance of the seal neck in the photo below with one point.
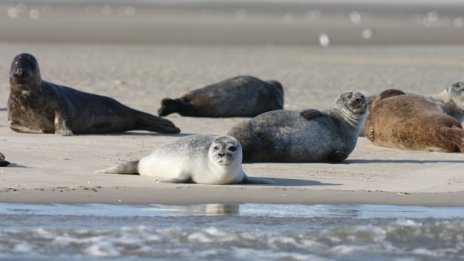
(354, 120)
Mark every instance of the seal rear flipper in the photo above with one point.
(128, 167)
(169, 106)
(254, 180)
(310, 114)
(4, 163)
(454, 135)
(153, 123)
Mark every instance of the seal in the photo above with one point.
(202, 159)
(37, 106)
(311, 135)
(450, 100)
(241, 96)
(412, 122)
(3, 162)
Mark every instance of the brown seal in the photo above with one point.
(241, 96)
(412, 122)
(37, 106)
(3, 162)
(310, 135)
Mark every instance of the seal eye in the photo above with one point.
(16, 62)
(233, 148)
(216, 147)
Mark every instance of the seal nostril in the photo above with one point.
(19, 72)
(221, 154)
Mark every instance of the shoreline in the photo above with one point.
(193, 194)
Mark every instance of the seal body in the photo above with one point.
(412, 122)
(241, 96)
(204, 159)
(37, 106)
(307, 136)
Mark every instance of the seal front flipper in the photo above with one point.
(310, 114)
(128, 167)
(60, 125)
(177, 180)
(337, 156)
(254, 180)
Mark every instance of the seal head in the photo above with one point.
(352, 106)
(225, 151)
(24, 71)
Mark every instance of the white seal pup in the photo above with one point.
(203, 159)
(304, 136)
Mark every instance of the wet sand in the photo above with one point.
(55, 169)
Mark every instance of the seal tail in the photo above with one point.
(128, 167)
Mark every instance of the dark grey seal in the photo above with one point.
(304, 136)
(37, 106)
(241, 96)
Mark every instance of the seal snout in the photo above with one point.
(459, 86)
(18, 72)
(358, 101)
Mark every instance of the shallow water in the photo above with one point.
(230, 232)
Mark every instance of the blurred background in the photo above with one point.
(234, 22)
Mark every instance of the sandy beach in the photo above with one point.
(56, 169)
(144, 51)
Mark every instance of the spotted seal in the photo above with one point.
(303, 136)
(37, 106)
(241, 96)
(203, 159)
(412, 122)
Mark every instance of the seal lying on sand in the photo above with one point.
(3, 162)
(308, 136)
(450, 100)
(203, 159)
(37, 106)
(241, 96)
(412, 122)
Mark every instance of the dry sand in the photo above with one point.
(55, 169)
